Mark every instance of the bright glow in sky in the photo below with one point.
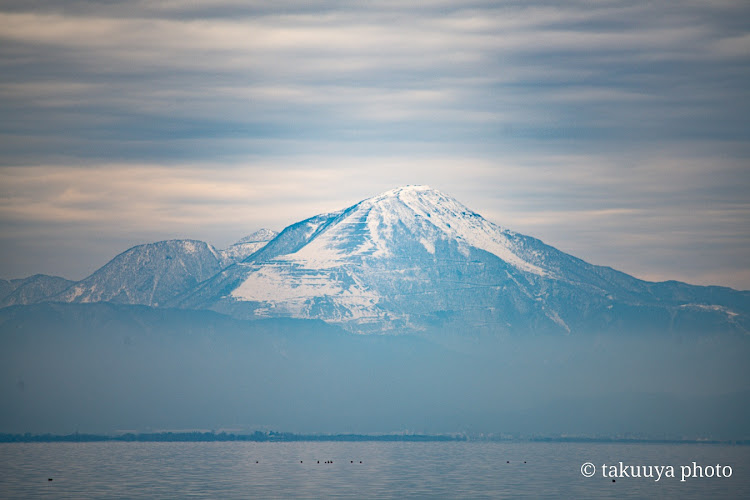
(615, 131)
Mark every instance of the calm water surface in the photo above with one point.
(388, 470)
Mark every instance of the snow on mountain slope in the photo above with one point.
(150, 274)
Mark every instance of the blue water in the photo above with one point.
(388, 470)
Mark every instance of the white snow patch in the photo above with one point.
(318, 254)
(273, 283)
(557, 319)
(707, 307)
(190, 246)
(214, 251)
(290, 288)
(428, 245)
(380, 244)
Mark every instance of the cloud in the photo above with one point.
(577, 122)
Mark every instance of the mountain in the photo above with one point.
(414, 258)
(246, 246)
(151, 274)
(33, 289)
(410, 259)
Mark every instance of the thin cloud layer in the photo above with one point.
(617, 131)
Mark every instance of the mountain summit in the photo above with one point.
(415, 258)
(374, 229)
(150, 274)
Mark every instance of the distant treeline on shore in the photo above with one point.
(259, 436)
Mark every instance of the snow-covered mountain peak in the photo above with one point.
(408, 190)
(348, 262)
(376, 228)
(150, 274)
(422, 200)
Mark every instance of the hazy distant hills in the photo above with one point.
(104, 367)
(410, 259)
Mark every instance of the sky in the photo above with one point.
(617, 131)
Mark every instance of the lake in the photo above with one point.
(387, 470)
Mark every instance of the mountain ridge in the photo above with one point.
(408, 259)
(32, 289)
(135, 276)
